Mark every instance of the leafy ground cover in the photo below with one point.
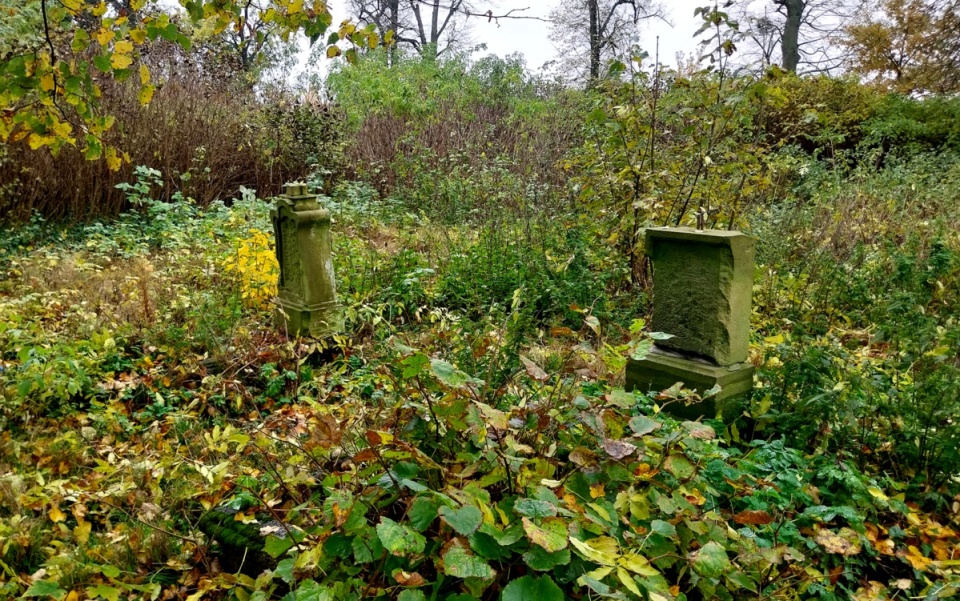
(466, 436)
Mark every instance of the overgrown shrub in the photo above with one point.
(451, 114)
(208, 132)
(859, 298)
(904, 126)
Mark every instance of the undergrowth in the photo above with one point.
(469, 438)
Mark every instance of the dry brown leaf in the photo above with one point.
(753, 517)
(411, 579)
(534, 370)
(618, 449)
(844, 542)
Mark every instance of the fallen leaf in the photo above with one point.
(534, 370)
(411, 579)
(844, 542)
(755, 517)
(618, 449)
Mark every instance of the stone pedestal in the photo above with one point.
(702, 291)
(307, 287)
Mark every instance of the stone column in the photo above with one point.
(702, 294)
(307, 287)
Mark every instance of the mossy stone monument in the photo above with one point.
(307, 287)
(702, 294)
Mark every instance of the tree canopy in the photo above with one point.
(55, 56)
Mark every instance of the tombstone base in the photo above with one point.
(319, 321)
(661, 370)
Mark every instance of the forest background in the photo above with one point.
(467, 435)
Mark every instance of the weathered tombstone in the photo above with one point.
(307, 288)
(702, 291)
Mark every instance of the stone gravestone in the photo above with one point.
(702, 291)
(307, 288)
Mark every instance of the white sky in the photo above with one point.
(532, 38)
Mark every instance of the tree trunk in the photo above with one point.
(435, 24)
(790, 45)
(594, 10)
(393, 6)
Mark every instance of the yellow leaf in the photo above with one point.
(778, 339)
(62, 129)
(47, 82)
(104, 36)
(601, 511)
(638, 564)
(244, 518)
(37, 141)
(120, 61)
(146, 94)
(144, 74)
(916, 558)
(56, 516)
(72, 5)
(113, 161)
(333, 52)
(138, 36)
(123, 47)
(596, 491)
(876, 492)
(346, 29)
(599, 573)
(628, 582)
(844, 542)
(603, 550)
(82, 531)
(100, 10)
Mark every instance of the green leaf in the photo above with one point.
(366, 549)
(679, 466)
(285, 570)
(643, 425)
(398, 539)
(551, 534)
(529, 588)
(465, 520)
(411, 594)
(309, 590)
(276, 546)
(663, 528)
(102, 62)
(449, 375)
(414, 365)
(533, 508)
(460, 563)
(110, 571)
(422, 513)
(102, 590)
(45, 588)
(710, 561)
(741, 580)
(540, 560)
(661, 336)
(506, 537)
